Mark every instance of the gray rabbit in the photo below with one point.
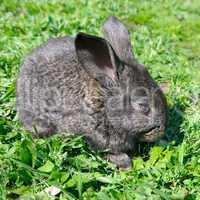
(92, 86)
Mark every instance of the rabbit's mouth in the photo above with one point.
(151, 135)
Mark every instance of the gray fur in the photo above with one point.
(118, 36)
(91, 86)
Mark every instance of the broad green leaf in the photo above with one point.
(47, 167)
(105, 179)
(181, 154)
(25, 153)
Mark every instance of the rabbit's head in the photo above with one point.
(132, 102)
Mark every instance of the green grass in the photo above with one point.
(165, 36)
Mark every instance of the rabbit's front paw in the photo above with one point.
(121, 160)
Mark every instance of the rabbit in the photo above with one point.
(92, 86)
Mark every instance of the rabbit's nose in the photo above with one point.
(158, 123)
(158, 118)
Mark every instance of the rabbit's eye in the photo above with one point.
(144, 108)
(141, 106)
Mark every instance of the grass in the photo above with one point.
(165, 36)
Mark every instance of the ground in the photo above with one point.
(165, 36)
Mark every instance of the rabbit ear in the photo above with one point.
(96, 56)
(117, 34)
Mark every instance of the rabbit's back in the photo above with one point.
(48, 87)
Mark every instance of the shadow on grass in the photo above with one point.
(175, 119)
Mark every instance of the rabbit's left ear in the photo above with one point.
(96, 56)
(117, 34)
